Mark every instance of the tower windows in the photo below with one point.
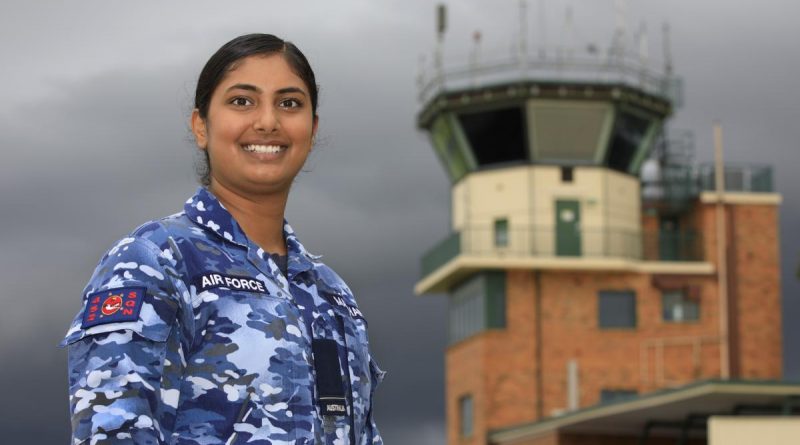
(501, 232)
(477, 304)
(616, 309)
(616, 395)
(567, 174)
(496, 136)
(678, 307)
(626, 139)
(465, 415)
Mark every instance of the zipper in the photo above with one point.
(243, 413)
(349, 389)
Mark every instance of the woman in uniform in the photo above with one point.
(215, 325)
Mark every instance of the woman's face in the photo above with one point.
(259, 127)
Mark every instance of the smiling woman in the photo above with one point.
(215, 325)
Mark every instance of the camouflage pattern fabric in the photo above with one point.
(219, 348)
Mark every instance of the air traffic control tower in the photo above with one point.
(570, 290)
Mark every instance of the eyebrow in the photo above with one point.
(291, 90)
(249, 87)
(244, 86)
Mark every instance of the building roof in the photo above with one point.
(632, 416)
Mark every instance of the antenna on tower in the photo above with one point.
(667, 50)
(441, 26)
(475, 56)
(644, 55)
(620, 30)
(542, 29)
(523, 37)
(568, 32)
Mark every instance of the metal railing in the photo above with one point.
(552, 63)
(547, 242)
(738, 178)
(679, 184)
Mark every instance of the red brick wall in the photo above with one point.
(497, 368)
(642, 359)
(755, 269)
(500, 368)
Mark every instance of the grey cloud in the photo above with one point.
(101, 145)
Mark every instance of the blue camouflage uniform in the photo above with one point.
(190, 334)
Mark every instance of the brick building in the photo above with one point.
(574, 288)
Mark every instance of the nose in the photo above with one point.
(265, 120)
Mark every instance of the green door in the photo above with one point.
(669, 239)
(568, 228)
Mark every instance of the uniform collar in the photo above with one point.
(205, 210)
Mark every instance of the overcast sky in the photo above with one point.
(93, 127)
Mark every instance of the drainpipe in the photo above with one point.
(538, 307)
(722, 257)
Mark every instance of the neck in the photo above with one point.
(259, 216)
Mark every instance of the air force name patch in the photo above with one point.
(213, 280)
(113, 306)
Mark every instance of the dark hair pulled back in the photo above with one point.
(226, 59)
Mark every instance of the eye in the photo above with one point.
(290, 103)
(240, 101)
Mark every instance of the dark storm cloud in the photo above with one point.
(95, 141)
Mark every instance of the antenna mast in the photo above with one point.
(441, 25)
(542, 30)
(523, 37)
(618, 43)
(667, 51)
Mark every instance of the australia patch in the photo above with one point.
(113, 306)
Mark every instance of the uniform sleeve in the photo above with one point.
(373, 435)
(118, 364)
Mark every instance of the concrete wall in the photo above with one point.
(526, 195)
(753, 430)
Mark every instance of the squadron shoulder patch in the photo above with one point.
(113, 306)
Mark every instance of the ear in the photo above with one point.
(199, 129)
(314, 130)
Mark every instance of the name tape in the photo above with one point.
(340, 302)
(213, 280)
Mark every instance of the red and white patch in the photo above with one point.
(121, 304)
(111, 305)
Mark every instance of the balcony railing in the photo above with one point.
(738, 178)
(548, 242)
(678, 185)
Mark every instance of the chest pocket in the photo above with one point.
(343, 323)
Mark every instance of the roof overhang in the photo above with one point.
(462, 266)
(630, 417)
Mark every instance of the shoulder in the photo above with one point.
(132, 287)
(328, 281)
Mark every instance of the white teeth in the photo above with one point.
(263, 148)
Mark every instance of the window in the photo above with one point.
(567, 174)
(679, 307)
(465, 415)
(629, 132)
(616, 395)
(617, 309)
(496, 136)
(477, 304)
(501, 232)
